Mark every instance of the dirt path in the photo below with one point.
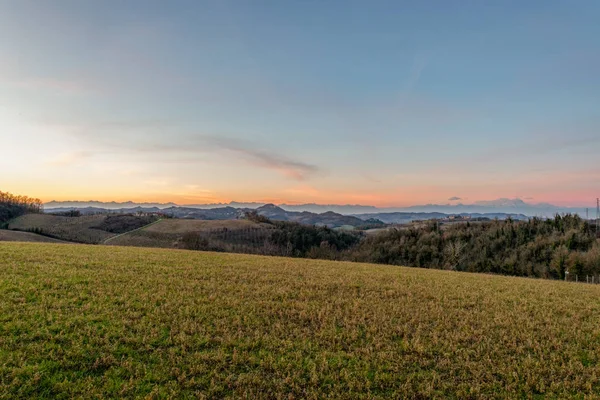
(127, 233)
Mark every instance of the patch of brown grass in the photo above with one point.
(169, 233)
(76, 229)
(16, 236)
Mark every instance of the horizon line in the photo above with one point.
(297, 204)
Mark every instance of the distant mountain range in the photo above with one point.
(271, 211)
(508, 206)
(316, 208)
(498, 206)
(407, 217)
(111, 205)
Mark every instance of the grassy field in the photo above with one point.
(16, 236)
(76, 229)
(168, 233)
(123, 322)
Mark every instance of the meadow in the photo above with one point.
(128, 322)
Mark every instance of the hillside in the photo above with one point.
(91, 229)
(122, 322)
(232, 235)
(16, 236)
(566, 247)
(330, 219)
(76, 229)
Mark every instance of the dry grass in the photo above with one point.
(16, 236)
(76, 229)
(168, 233)
(188, 225)
(98, 322)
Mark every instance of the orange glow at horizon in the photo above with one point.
(386, 199)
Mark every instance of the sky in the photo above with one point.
(387, 103)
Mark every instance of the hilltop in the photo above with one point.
(116, 322)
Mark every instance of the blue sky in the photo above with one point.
(385, 103)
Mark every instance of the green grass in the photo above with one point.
(117, 322)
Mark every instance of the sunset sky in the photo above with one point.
(383, 103)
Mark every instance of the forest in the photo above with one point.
(12, 206)
(543, 248)
(535, 248)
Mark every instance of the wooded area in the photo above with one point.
(12, 206)
(536, 248)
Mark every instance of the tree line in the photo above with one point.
(535, 248)
(543, 248)
(12, 206)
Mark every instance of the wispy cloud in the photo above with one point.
(119, 138)
(454, 198)
(294, 169)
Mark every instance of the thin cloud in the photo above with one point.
(454, 198)
(290, 168)
(130, 140)
(287, 167)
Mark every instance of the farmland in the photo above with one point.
(76, 229)
(124, 322)
(170, 233)
(16, 236)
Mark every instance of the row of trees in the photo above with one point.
(274, 238)
(12, 206)
(536, 248)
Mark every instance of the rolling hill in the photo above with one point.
(92, 229)
(232, 235)
(329, 219)
(16, 236)
(76, 229)
(123, 322)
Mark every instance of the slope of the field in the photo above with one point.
(124, 322)
(76, 229)
(169, 233)
(16, 236)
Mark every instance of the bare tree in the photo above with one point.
(453, 253)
